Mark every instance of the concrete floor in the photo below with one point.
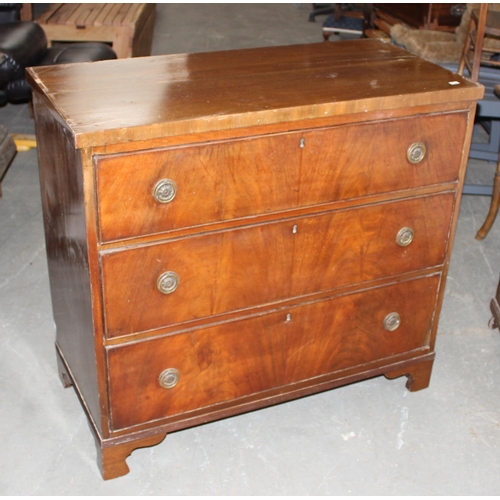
(370, 438)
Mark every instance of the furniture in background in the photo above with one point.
(23, 44)
(346, 19)
(487, 119)
(438, 46)
(483, 22)
(321, 9)
(428, 16)
(495, 309)
(446, 49)
(127, 27)
(10, 12)
(212, 253)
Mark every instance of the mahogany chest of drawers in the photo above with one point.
(227, 231)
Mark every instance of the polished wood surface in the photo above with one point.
(419, 375)
(180, 94)
(240, 178)
(234, 360)
(112, 456)
(253, 266)
(67, 253)
(293, 183)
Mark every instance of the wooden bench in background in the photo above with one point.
(128, 27)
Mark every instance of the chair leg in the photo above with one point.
(495, 202)
(474, 41)
(479, 42)
(466, 48)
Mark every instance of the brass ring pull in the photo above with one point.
(169, 378)
(168, 282)
(392, 321)
(416, 152)
(405, 236)
(165, 191)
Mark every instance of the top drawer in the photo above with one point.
(228, 180)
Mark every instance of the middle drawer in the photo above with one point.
(150, 287)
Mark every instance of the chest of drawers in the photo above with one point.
(231, 230)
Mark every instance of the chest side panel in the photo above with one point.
(63, 200)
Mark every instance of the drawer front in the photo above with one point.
(235, 179)
(247, 267)
(225, 362)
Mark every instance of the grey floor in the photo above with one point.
(370, 438)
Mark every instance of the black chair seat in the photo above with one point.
(24, 44)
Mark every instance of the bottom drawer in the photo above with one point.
(244, 357)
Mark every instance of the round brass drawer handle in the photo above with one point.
(405, 236)
(416, 152)
(165, 191)
(169, 378)
(168, 282)
(392, 321)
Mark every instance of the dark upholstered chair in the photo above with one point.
(23, 44)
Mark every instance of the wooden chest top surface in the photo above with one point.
(111, 102)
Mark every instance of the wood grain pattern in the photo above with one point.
(230, 361)
(247, 267)
(247, 177)
(292, 182)
(282, 127)
(180, 94)
(111, 457)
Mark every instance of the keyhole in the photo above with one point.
(302, 142)
(288, 318)
(295, 229)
